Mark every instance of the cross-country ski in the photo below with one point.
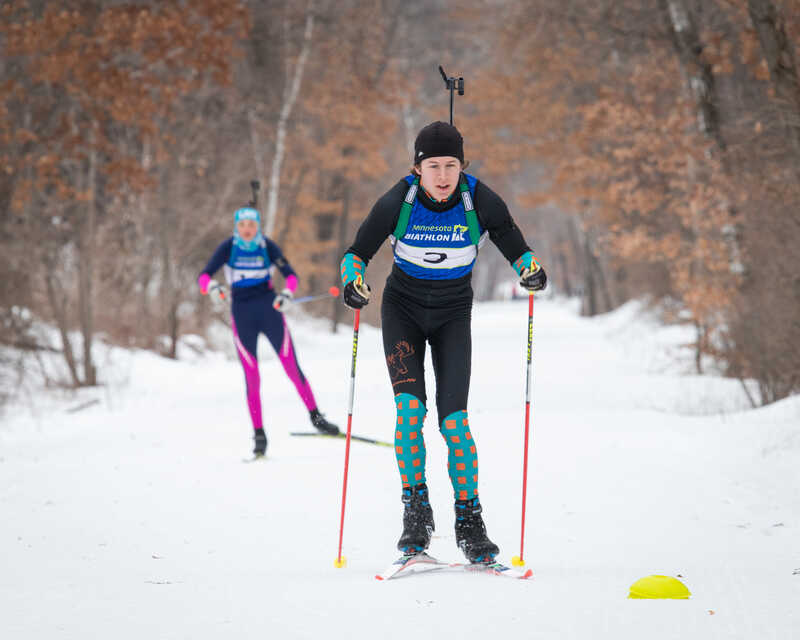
(421, 562)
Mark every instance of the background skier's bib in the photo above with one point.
(248, 268)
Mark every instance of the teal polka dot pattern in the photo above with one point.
(462, 458)
(409, 447)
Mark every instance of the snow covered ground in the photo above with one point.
(135, 517)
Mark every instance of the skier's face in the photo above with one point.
(439, 176)
(247, 229)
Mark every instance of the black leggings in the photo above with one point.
(411, 321)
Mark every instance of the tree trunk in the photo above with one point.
(291, 200)
(566, 280)
(576, 248)
(595, 281)
(778, 52)
(344, 218)
(60, 315)
(699, 347)
(145, 245)
(409, 130)
(168, 288)
(290, 96)
(698, 81)
(173, 325)
(86, 249)
(145, 312)
(602, 283)
(255, 142)
(698, 76)
(589, 282)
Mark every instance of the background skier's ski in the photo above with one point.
(342, 436)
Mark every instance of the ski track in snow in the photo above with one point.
(136, 517)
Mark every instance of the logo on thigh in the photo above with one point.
(396, 363)
(395, 360)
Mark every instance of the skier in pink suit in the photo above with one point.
(248, 257)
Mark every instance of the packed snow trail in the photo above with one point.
(136, 518)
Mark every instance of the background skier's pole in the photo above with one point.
(519, 561)
(333, 291)
(340, 560)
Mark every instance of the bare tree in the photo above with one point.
(294, 78)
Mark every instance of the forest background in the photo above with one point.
(648, 149)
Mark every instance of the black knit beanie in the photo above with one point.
(438, 139)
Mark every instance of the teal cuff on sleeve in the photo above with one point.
(526, 261)
(352, 266)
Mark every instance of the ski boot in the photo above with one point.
(260, 448)
(322, 425)
(471, 532)
(417, 520)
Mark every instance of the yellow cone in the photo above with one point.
(659, 587)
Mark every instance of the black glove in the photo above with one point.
(533, 280)
(356, 294)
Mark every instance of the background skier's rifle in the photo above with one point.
(452, 84)
(255, 185)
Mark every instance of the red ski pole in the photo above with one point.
(518, 561)
(341, 561)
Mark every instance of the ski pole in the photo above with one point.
(221, 291)
(217, 291)
(518, 561)
(353, 437)
(333, 291)
(341, 561)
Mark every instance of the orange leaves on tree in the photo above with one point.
(103, 77)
